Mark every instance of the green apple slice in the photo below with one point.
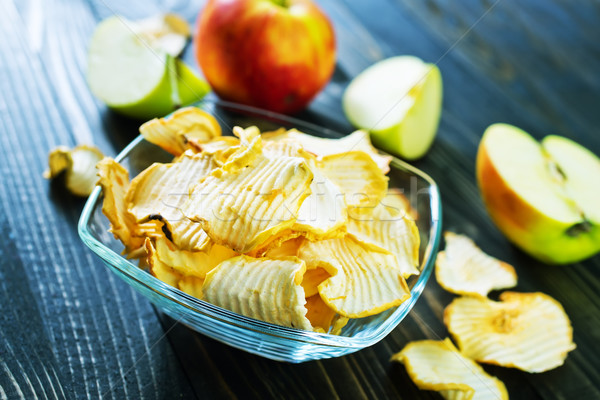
(134, 78)
(399, 101)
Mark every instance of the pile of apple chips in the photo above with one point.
(527, 331)
(282, 226)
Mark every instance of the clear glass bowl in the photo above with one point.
(258, 337)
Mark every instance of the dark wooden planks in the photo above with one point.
(531, 63)
(72, 330)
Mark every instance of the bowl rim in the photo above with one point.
(357, 341)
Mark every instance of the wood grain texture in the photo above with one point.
(70, 329)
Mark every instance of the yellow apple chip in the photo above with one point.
(528, 331)
(364, 281)
(287, 248)
(462, 268)
(191, 263)
(320, 315)
(174, 132)
(189, 284)
(268, 290)
(438, 365)
(114, 180)
(160, 192)
(321, 147)
(397, 234)
(78, 166)
(323, 213)
(357, 176)
(245, 208)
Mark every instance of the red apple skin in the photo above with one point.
(262, 54)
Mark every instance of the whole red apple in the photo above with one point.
(273, 54)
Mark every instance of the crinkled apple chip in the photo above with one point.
(191, 263)
(160, 192)
(397, 234)
(167, 32)
(528, 331)
(268, 290)
(438, 365)
(364, 281)
(246, 153)
(321, 147)
(358, 177)
(245, 208)
(78, 166)
(464, 269)
(323, 213)
(114, 180)
(320, 315)
(186, 128)
(190, 284)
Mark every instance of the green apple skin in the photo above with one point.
(534, 231)
(413, 136)
(135, 80)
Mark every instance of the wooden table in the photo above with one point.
(70, 329)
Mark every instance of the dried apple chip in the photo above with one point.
(528, 331)
(397, 234)
(191, 263)
(320, 315)
(438, 365)
(323, 213)
(160, 192)
(358, 177)
(462, 268)
(114, 180)
(174, 132)
(364, 281)
(268, 290)
(189, 284)
(245, 208)
(78, 166)
(321, 147)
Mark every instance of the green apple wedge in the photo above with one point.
(399, 101)
(543, 197)
(134, 78)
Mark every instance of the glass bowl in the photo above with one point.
(254, 336)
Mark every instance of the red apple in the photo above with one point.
(272, 54)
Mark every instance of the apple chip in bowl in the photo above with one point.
(260, 242)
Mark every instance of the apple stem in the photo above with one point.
(579, 228)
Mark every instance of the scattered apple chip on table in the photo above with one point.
(260, 226)
(464, 269)
(438, 365)
(528, 331)
(78, 167)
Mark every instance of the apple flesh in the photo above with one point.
(543, 197)
(275, 55)
(399, 101)
(135, 79)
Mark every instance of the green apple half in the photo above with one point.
(544, 196)
(136, 77)
(399, 101)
